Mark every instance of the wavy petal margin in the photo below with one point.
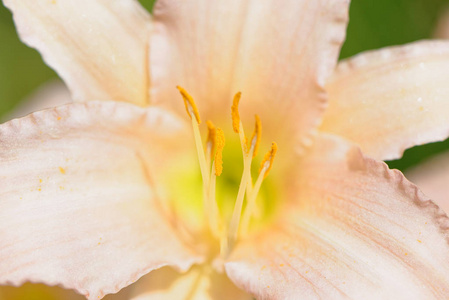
(432, 176)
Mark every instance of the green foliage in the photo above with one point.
(378, 23)
(148, 4)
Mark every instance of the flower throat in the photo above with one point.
(210, 160)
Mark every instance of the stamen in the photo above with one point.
(235, 220)
(190, 104)
(237, 123)
(212, 206)
(257, 135)
(220, 142)
(217, 166)
(211, 131)
(265, 167)
(267, 161)
(249, 151)
(210, 143)
(255, 142)
(192, 110)
(235, 112)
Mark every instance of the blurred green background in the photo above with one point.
(373, 24)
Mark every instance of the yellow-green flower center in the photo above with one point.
(227, 214)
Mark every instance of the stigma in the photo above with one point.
(210, 158)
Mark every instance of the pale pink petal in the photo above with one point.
(391, 99)
(99, 47)
(50, 94)
(354, 230)
(78, 203)
(199, 283)
(277, 54)
(432, 177)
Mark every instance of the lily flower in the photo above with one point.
(96, 194)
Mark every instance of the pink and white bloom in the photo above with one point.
(96, 194)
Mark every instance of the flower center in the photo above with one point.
(210, 159)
